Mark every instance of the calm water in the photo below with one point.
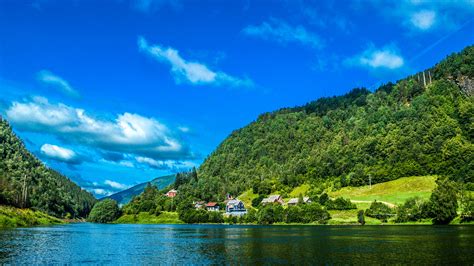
(218, 244)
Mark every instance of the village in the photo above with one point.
(236, 207)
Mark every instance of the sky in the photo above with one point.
(118, 92)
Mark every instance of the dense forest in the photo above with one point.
(25, 182)
(421, 125)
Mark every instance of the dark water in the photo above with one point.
(219, 244)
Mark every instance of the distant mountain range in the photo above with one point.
(123, 197)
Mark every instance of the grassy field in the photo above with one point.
(303, 189)
(13, 217)
(247, 197)
(395, 192)
(146, 218)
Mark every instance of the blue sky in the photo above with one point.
(115, 93)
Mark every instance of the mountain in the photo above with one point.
(123, 197)
(421, 125)
(25, 182)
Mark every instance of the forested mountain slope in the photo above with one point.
(25, 182)
(125, 196)
(422, 125)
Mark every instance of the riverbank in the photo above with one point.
(13, 217)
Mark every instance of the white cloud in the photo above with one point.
(423, 19)
(386, 57)
(57, 82)
(128, 133)
(101, 192)
(188, 71)
(115, 185)
(59, 153)
(426, 15)
(166, 164)
(284, 33)
(184, 129)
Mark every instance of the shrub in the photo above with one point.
(340, 204)
(413, 209)
(104, 211)
(444, 201)
(379, 211)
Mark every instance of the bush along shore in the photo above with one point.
(14, 217)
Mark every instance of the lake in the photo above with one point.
(219, 244)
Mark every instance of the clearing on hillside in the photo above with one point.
(394, 192)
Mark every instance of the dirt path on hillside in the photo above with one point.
(391, 205)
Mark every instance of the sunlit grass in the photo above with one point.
(13, 217)
(396, 191)
(302, 189)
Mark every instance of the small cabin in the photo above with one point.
(235, 207)
(294, 201)
(212, 206)
(172, 193)
(273, 199)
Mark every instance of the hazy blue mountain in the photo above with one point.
(123, 197)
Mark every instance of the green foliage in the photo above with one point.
(467, 214)
(413, 209)
(147, 218)
(25, 182)
(444, 201)
(379, 211)
(105, 211)
(270, 213)
(193, 216)
(402, 129)
(340, 204)
(152, 201)
(13, 217)
(256, 202)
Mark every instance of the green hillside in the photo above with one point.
(125, 196)
(393, 192)
(25, 182)
(422, 125)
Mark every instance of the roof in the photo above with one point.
(233, 202)
(171, 191)
(272, 198)
(293, 201)
(296, 200)
(211, 204)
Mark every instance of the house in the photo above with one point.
(235, 207)
(272, 199)
(171, 194)
(212, 206)
(294, 201)
(199, 204)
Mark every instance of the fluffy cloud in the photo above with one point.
(59, 154)
(423, 19)
(172, 165)
(386, 57)
(282, 32)
(115, 185)
(127, 133)
(100, 192)
(57, 82)
(188, 71)
(426, 15)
